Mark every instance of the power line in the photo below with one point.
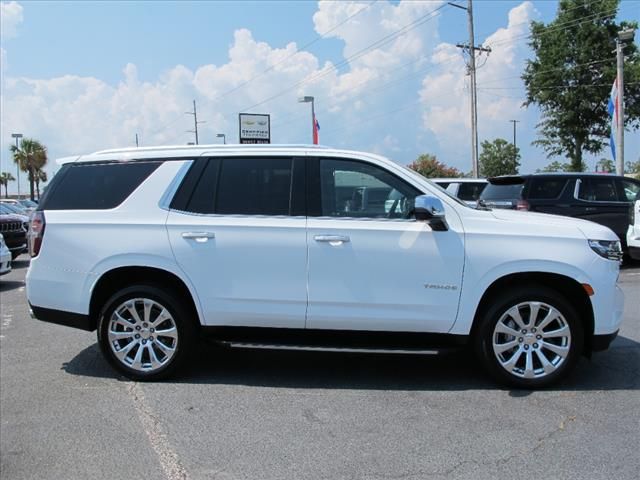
(268, 69)
(595, 62)
(334, 68)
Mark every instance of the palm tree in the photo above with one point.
(5, 178)
(31, 157)
(41, 176)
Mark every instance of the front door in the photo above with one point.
(372, 266)
(238, 239)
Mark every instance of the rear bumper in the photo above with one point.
(634, 252)
(59, 317)
(602, 342)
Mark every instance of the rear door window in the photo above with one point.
(598, 189)
(254, 186)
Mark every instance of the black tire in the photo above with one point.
(484, 337)
(181, 316)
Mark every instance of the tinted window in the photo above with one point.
(357, 189)
(502, 192)
(443, 184)
(204, 193)
(546, 188)
(470, 191)
(630, 190)
(254, 186)
(596, 189)
(95, 186)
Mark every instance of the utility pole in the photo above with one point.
(17, 136)
(515, 149)
(623, 36)
(471, 67)
(195, 121)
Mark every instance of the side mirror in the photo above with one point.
(430, 209)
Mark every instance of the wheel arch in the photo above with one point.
(567, 286)
(115, 279)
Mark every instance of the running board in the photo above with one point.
(321, 348)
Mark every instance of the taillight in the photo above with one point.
(522, 205)
(36, 232)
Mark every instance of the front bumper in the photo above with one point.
(602, 342)
(5, 262)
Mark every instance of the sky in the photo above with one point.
(386, 75)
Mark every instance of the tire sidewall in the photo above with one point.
(484, 335)
(176, 309)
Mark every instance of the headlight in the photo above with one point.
(609, 249)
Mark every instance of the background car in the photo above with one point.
(13, 209)
(466, 189)
(14, 229)
(600, 198)
(5, 257)
(633, 232)
(24, 204)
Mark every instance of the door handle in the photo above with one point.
(198, 236)
(331, 238)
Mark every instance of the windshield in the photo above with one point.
(502, 192)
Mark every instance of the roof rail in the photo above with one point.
(215, 146)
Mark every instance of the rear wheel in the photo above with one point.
(145, 332)
(530, 337)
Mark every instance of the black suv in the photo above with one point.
(601, 198)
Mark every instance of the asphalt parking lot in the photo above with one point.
(285, 415)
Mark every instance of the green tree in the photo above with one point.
(633, 168)
(31, 157)
(498, 158)
(429, 166)
(605, 165)
(571, 74)
(556, 166)
(5, 178)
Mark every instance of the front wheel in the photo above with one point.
(145, 332)
(530, 337)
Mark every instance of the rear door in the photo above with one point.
(237, 229)
(596, 198)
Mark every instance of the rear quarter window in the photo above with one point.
(101, 186)
(546, 188)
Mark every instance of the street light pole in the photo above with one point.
(311, 100)
(223, 136)
(623, 36)
(17, 136)
(515, 149)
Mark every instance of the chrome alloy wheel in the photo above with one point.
(142, 334)
(531, 340)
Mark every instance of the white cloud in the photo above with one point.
(445, 93)
(10, 18)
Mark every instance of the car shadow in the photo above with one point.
(8, 285)
(616, 369)
(19, 264)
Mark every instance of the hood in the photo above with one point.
(590, 230)
(13, 218)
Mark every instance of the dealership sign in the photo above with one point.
(255, 128)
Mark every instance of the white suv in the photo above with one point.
(308, 247)
(633, 232)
